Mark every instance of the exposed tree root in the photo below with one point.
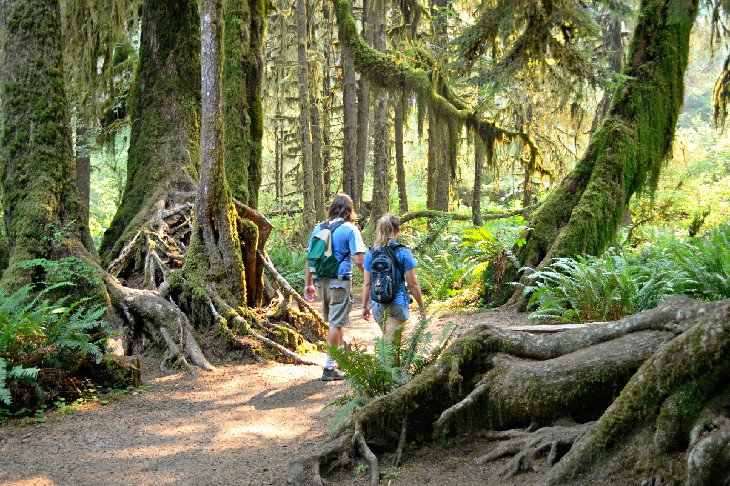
(162, 320)
(665, 362)
(153, 258)
(525, 447)
(359, 439)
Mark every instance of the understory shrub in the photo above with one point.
(393, 364)
(454, 262)
(44, 342)
(620, 283)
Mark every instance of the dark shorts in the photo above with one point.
(336, 301)
(396, 312)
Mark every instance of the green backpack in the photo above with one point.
(321, 258)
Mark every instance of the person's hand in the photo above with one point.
(422, 312)
(310, 293)
(366, 312)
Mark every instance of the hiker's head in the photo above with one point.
(386, 229)
(342, 207)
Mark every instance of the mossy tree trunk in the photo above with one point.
(164, 148)
(41, 198)
(363, 111)
(625, 155)
(349, 119)
(381, 130)
(315, 120)
(214, 256)
(476, 195)
(400, 169)
(83, 171)
(305, 137)
(242, 108)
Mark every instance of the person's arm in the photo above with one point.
(415, 289)
(366, 295)
(310, 291)
(358, 259)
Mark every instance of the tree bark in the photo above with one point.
(350, 111)
(305, 141)
(164, 149)
(83, 172)
(215, 249)
(327, 95)
(41, 197)
(242, 106)
(583, 214)
(400, 168)
(363, 111)
(316, 128)
(381, 132)
(476, 198)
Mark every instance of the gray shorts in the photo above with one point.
(336, 301)
(396, 312)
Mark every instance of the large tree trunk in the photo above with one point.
(83, 172)
(242, 108)
(476, 195)
(381, 132)
(305, 137)
(41, 199)
(660, 361)
(164, 149)
(400, 169)
(350, 111)
(363, 111)
(625, 155)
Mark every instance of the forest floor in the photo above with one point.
(241, 425)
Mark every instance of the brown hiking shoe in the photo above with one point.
(332, 374)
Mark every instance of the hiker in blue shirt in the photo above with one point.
(347, 247)
(397, 310)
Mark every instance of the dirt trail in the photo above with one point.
(240, 425)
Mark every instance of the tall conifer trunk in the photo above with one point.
(381, 132)
(476, 199)
(305, 138)
(350, 111)
(363, 110)
(40, 193)
(399, 160)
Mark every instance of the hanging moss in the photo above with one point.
(164, 150)
(626, 154)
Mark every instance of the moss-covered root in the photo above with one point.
(148, 311)
(699, 358)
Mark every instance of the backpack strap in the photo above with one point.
(332, 233)
(393, 252)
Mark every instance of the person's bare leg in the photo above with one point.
(335, 336)
(390, 326)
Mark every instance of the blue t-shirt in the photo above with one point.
(406, 262)
(346, 241)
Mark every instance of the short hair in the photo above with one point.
(342, 207)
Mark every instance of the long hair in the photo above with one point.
(342, 207)
(388, 225)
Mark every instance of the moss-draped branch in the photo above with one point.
(384, 71)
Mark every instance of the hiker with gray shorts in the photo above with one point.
(334, 245)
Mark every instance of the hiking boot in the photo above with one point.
(332, 374)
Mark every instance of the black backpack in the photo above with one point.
(385, 273)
